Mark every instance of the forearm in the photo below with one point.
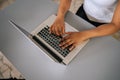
(103, 30)
(63, 8)
(107, 29)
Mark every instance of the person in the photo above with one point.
(104, 14)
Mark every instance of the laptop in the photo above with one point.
(50, 42)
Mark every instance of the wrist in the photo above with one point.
(60, 16)
(87, 34)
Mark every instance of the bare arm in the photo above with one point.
(58, 27)
(74, 38)
(63, 7)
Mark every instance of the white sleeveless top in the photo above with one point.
(100, 10)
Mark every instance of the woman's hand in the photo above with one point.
(58, 27)
(72, 40)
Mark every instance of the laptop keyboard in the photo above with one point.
(53, 41)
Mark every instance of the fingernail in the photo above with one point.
(59, 44)
(49, 31)
(70, 49)
(63, 48)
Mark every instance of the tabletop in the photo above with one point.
(98, 60)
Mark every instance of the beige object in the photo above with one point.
(5, 3)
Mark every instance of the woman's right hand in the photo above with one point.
(58, 27)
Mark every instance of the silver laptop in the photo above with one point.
(50, 42)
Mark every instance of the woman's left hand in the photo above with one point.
(72, 40)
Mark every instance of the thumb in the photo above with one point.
(68, 33)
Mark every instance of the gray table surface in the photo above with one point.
(98, 60)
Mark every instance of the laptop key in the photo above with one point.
(53, 41)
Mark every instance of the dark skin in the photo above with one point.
(75, 38)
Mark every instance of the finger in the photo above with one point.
(53, 29)
(72, 47)
(68, 33)
(63, 30)
(60, 31)
(65, 38)
(56, 30)
(67, 44)
(64, 42)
